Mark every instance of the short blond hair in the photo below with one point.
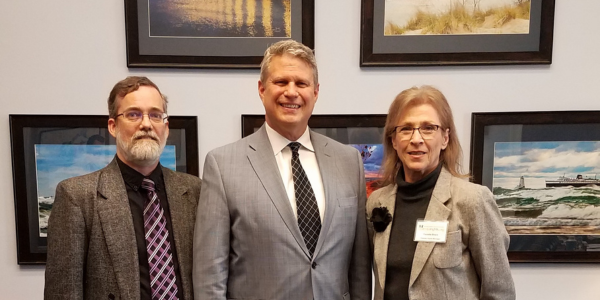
(293, 48)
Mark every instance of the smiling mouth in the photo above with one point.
(292, 106)
(416, 153)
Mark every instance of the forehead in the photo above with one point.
(286, 64)
(417, 114)
(145, 97)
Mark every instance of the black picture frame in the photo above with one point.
(362, 131)
(378, 50)
(492, 133)
(29, 131)
(162, 51)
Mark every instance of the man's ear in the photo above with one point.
(112, 127)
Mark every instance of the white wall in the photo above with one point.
(63, 56)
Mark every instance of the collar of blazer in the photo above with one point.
(261, 157)
(436, 211)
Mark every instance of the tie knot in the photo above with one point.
(148, 184)
(294, 146)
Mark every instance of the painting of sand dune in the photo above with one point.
(456, 17)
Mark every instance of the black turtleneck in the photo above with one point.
(412, 200)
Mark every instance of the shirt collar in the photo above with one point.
(134, 178)
(278, 142)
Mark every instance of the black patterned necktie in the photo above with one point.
(309, 220)
(160, 256)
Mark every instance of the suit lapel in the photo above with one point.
(381, 240)
(262, 159)
(328, 170)
(117, 226)
(436, 211)
(177, 196)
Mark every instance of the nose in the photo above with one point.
(416, 137)
(291, 90)
(145, 123)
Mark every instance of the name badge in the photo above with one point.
(431, 231)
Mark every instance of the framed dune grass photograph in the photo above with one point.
(363, 132)
(544, 171)
(47, 149)
(212, 33)
(456, 32)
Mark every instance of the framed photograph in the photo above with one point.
(47, 149)
(456, 32)
(211, 33)
(544, 171)
(363, 132)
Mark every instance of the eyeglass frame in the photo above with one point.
(163, 120)
(409, 137)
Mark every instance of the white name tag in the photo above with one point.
(431, 231)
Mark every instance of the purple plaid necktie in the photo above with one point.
(309, 220)
(160, 257)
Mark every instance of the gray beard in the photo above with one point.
(142, 152)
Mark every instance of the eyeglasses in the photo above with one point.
(406, 132)
(136, 116)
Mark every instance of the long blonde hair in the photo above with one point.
(451, 157)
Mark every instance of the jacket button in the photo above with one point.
(111, 296)
(314, 265)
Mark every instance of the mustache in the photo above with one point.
(145, 134)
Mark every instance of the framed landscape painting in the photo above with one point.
(456, 32)
(212, 33)
(47, 149)
(363, 132)
(544, 171)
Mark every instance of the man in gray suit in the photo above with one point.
(125, 231)
(282, 211)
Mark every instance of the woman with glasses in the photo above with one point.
(434, 234)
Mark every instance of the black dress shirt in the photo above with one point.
(137, 202)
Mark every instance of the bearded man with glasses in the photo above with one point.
(125, 231)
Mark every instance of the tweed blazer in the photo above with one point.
(247, 243)
(472, 264)
(92, 252)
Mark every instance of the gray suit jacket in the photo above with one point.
(247, 244)
(92, 250)
(472, 264)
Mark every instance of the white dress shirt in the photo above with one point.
(308, 159)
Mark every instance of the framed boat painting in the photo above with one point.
(456, 32)
(211, 33)
(544, 171)
(47, 149)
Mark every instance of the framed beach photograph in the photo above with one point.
(456, 32)
(544, 171)
(212, 33)
(363, 132)
(47, 149)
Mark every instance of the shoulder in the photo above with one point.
(181, 177)
(470, 196)
(320, 140)
(81, 182)
(378, 196)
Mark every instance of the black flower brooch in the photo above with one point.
(381, 218)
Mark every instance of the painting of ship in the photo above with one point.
(576, 182)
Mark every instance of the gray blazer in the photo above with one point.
(92, 250)
(472, 264)
(247, 244)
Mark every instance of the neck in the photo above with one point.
(292, 133)
(144, 169)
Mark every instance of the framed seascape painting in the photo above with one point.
(363, 132)
(456, 32)
(47, 149)
(544, 171)
(212, 33)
